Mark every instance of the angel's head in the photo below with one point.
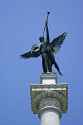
(41, 39)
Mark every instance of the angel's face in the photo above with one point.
(41, 39)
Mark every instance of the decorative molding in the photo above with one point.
(50, 95)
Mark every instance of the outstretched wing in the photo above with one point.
(57, 42)
(32, 53)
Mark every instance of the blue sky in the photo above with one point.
(20, 26)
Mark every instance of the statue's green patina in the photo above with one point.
(46, 49)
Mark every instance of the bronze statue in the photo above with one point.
(46, 49)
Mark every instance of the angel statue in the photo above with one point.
(46, 49)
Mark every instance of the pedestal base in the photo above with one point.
(48, 78)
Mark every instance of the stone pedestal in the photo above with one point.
(49, 99)
(49, 78)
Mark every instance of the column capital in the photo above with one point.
(45, 96)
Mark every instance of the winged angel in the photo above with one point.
(46, 49)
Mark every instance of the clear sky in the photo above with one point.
(20, 26)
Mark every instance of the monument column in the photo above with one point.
(49, 99)
(50, 114)
(50, 117)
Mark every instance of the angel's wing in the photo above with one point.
(33, 53)
(57, 42)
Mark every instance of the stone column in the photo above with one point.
(50, 117)
(50, 111)
(49, 99)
